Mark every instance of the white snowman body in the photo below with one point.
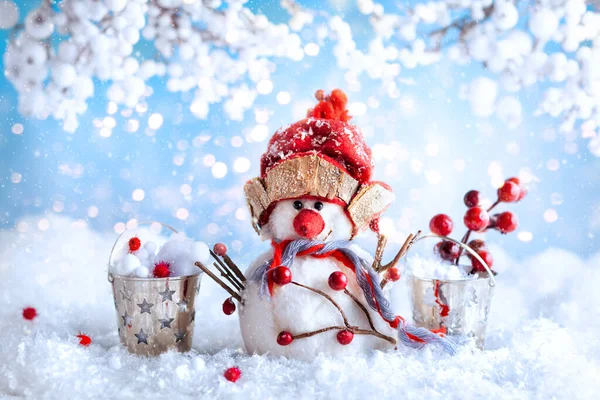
(298, 310)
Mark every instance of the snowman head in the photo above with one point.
(315, 179)
(308, 218)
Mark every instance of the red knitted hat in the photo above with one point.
(321, 156)
(326, 133)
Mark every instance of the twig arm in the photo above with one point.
(218, 281)
(403, 250)
(381, 243)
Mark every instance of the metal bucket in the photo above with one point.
(461, 306)
(155, 315)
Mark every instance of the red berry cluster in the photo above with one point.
(478, 219)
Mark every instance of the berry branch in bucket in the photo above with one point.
(478, 219)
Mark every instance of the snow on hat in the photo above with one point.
(325, 132)
(321, 156)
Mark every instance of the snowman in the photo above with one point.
(314, 291)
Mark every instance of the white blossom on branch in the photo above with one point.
(554, 44)
(55, 58)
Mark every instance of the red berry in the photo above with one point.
(134, 244)
(476, 219)
(523, 189)
(284, 338)
(472, 198)
(162, 269)
(487, 257)
(449, 251)
(441, 224)
(232, 374)
(84, 339)
(509, 192)
(506, 222)
(281, 275)
(338, 280)
(228, 306)
(477, 244)
(436, 248)
(29, 313)
(393, 274)
(220, 249)
(345, 337)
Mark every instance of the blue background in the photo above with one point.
(113, 167)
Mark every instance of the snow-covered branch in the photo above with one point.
(222, 52)
(198, 46)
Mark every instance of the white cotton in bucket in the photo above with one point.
(182, 253)
(435, 268)
(179, 252)
(127, 264)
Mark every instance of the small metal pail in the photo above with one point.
(154, 315)
(460, 306)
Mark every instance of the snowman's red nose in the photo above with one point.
(308, 223)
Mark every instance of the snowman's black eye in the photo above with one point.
(318, 206)
(297, 204)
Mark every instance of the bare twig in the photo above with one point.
(234, 268)
(384, 282)
(341, 328)
(313, 333)
(218, 281)
(381, 243)
(351, 328)
(410, 240)
(362, 307)
(225, 271)
(227, 276)
(328, 297)
(463, 24)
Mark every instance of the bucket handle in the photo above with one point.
(110, 276)
(492, 281)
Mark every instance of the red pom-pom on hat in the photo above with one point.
(327, 133)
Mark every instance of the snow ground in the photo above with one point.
(542, 341)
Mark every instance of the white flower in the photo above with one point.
(505, 15)
(64, 74)
(39, 23)
(9, 14)
(115, 5)
(543, 23)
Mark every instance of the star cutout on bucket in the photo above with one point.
(166, 322)
(179, 336)
(142, 337)
(145, 307)
(182, 305)
(167, 294)
(126, 319)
